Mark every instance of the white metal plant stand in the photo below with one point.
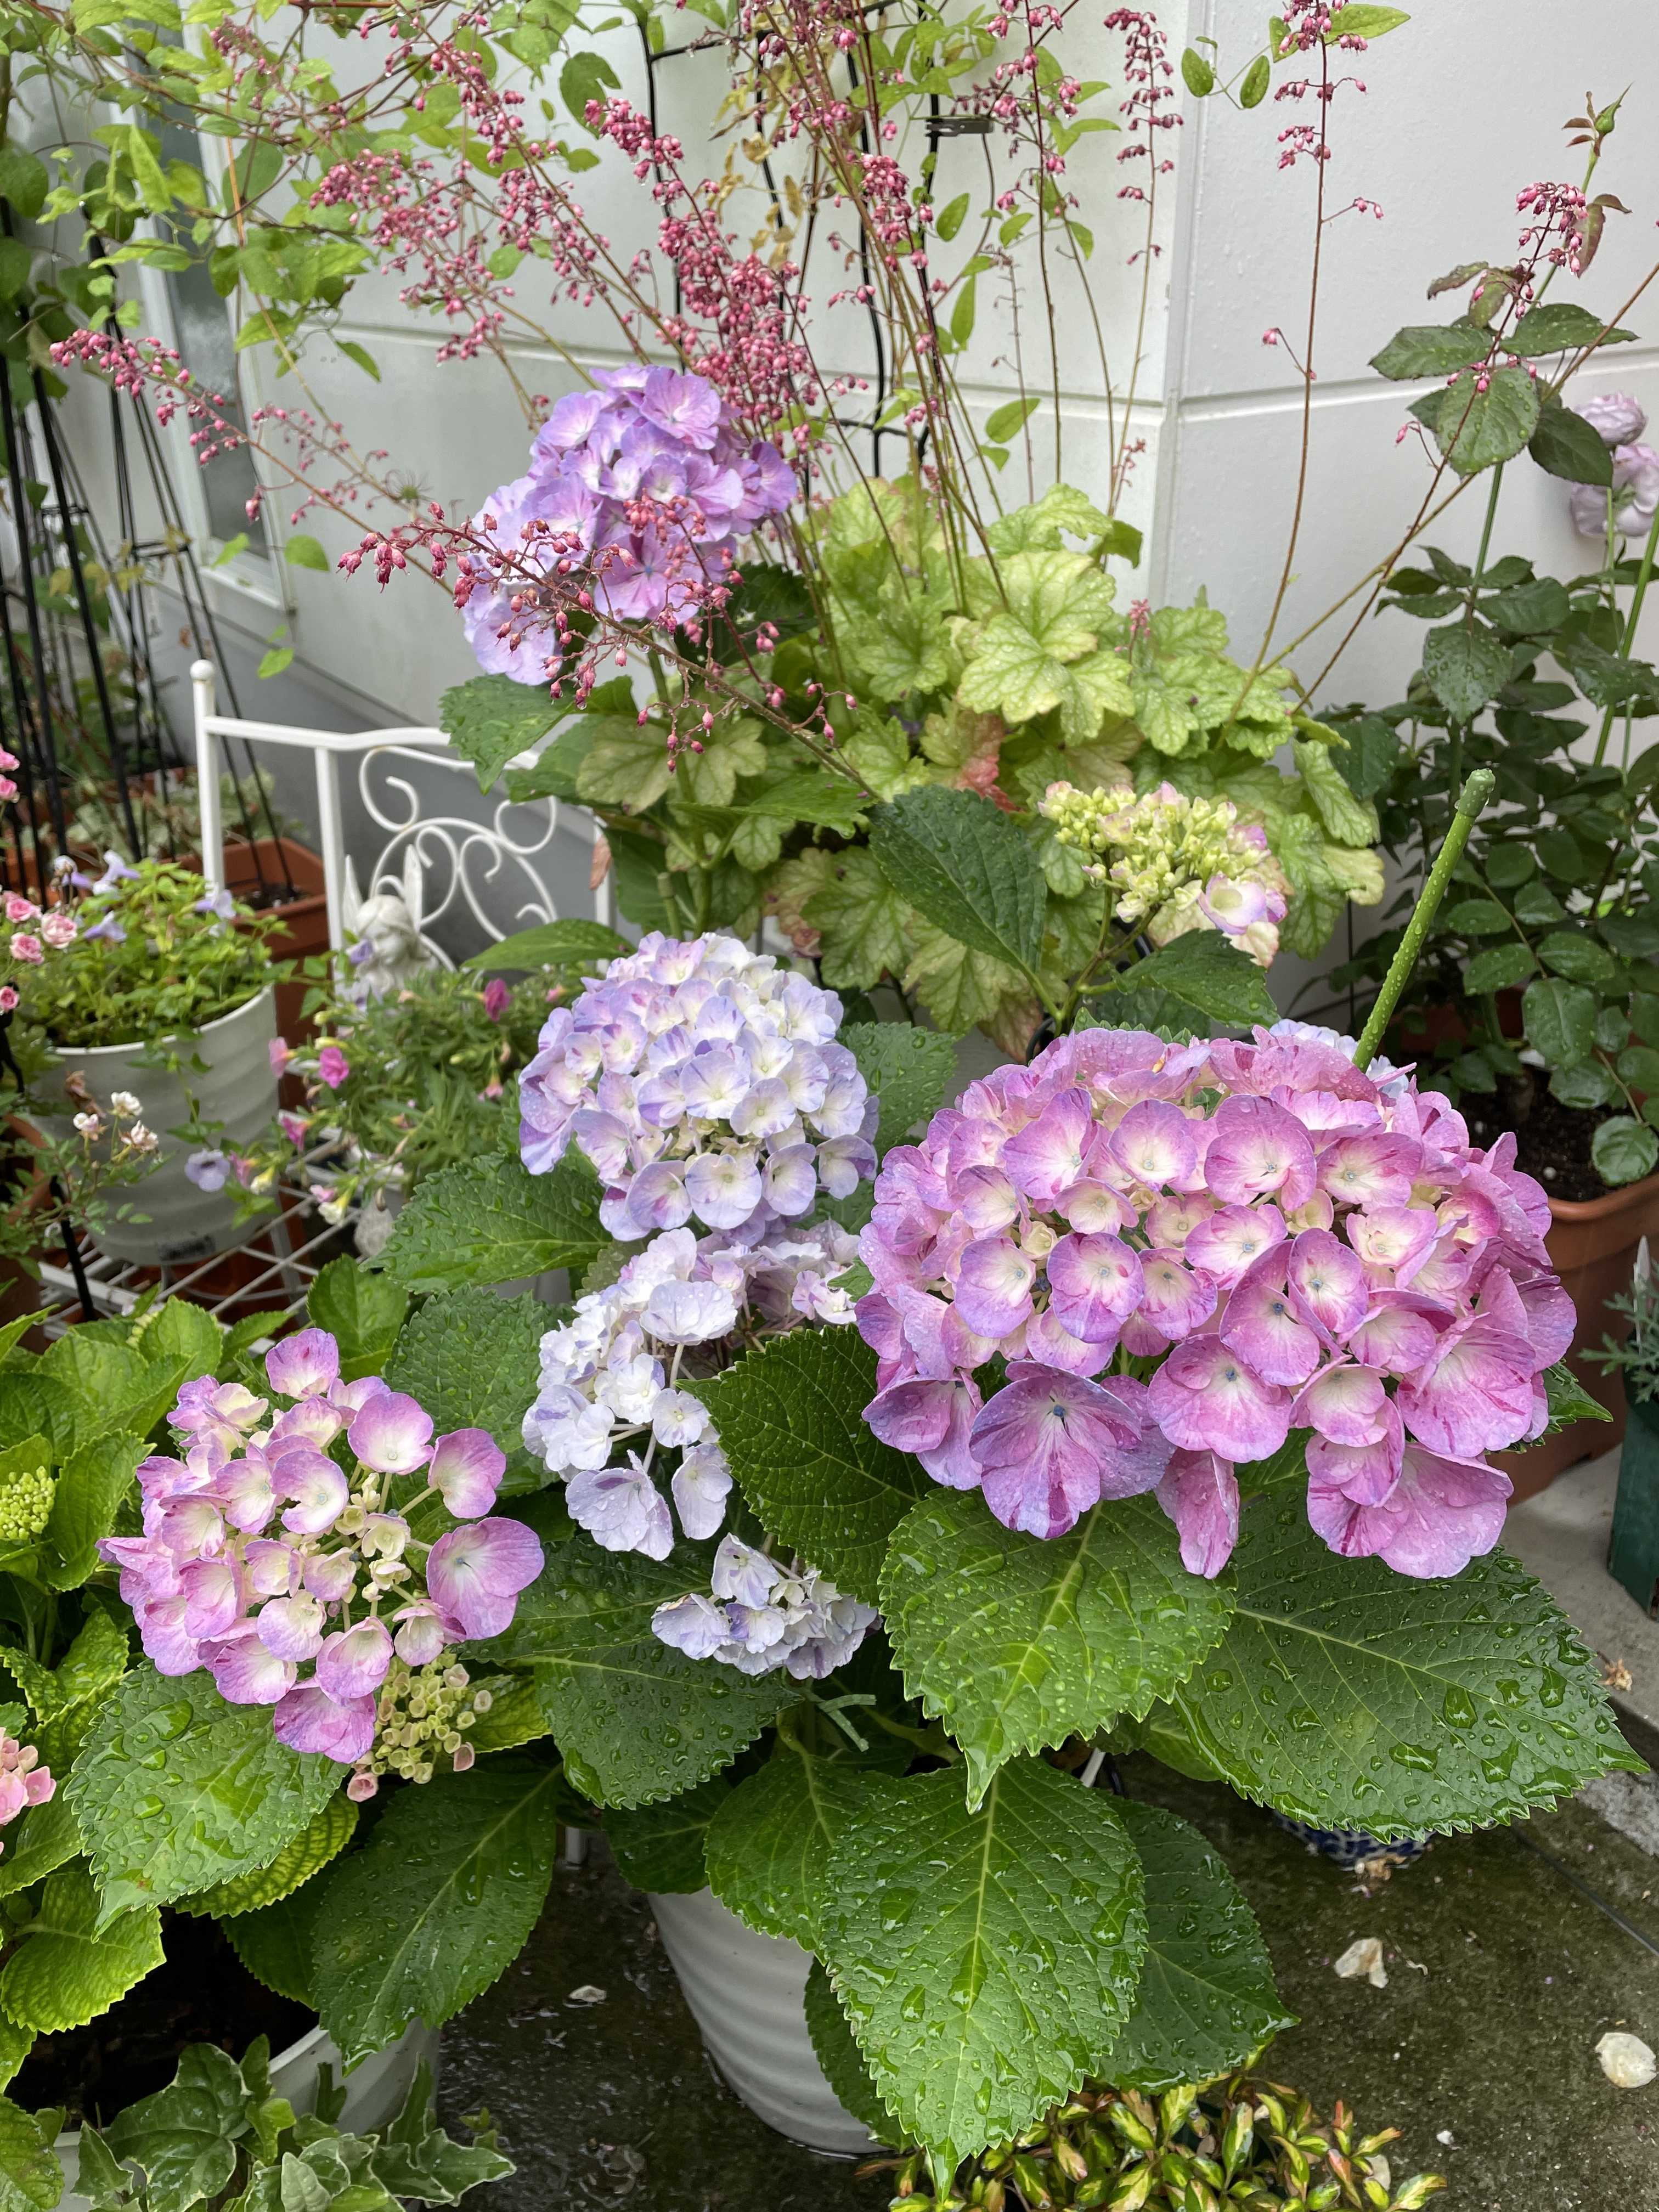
(440, 865)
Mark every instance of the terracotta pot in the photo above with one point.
(1592, 1247)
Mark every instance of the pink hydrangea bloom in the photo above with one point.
(1308, 1252)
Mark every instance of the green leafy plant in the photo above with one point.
(1636, 1356)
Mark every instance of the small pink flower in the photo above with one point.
(934, 1420)
(20, 910)
(318, 1491)
(1206, 1398)
(466, 1468)
(993, 1285)
(474, 1573)
(7, 999)
(1097, 1284)
(25, 947)
(420, 1636)
(281, 1054)
(1442, 1513)
(1258, 1151)
(245, 1670)
(497, 997)
(1051, 1445)
(391, 1434)
(308, 1719)
(292, 1627)
(333, 1066)
(60, 929)
(303, 1366)
(1199, 1493)
(353, 1662)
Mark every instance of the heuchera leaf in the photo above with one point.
(768, 1848)
(1016, 1643)
(1206, 2000)
(790, 1421)
(986, 1961)
(222, 1800)
(1350, 1697)
(636, 1720)
(489, 1221)
(438, 1903)
(960, 860)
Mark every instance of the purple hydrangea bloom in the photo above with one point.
(703, 1081)
(1303, 1246)
(1616, 418)
(1634, 493)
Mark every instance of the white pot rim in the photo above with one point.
(69, 2138)
(62, 1055)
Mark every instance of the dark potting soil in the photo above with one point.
(202, 1993)
(1553, 1141)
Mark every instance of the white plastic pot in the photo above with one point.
(746, 1992)
(235, 1086)
(374, 2093)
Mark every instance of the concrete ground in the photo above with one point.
(1509, 1954)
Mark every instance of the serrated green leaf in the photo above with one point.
(222, 1801)
(1502, 968)
(960, 860)
(986, 1961)
(1476, 917)
(1568, 446)
(550, 944)
(960, 989)
(1349, 820)
(636, 1720)
(90, 1486)
(1206, 2001)
(907, 1069)
(1568, 1400)
(1623, 1151)
(302, 551)
(1396, 1706)
(24, 181)
(1560, 326)
(472, 1360)
(767, 1851)
(1579, 957)
(838, 2054)
(489, 1221)
(44, 1839)
(790, 1420)
(361, 1310)
(67, 1972)
(1430, 349)
(31, 2176)
(660, 1847)
(1465, 667)
(1477, 428)
(321, 1839)
(438, 1903)
(1016, 1643)
(1203, 970)
(489, 718)
(16, 2044)
(858, 914)
(274, 1943)
(176, 1329)
(1559, 1019)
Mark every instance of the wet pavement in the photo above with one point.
(1509, 1956)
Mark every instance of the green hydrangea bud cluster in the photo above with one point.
(423, 1716)
(25, 1504)
(1159, 844)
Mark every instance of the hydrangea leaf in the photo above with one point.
(986, 1961)
(176, 1329)
(438, 1903)
(1016, 1643)
(635, 1720)
(44, 1839)
(907, 1069)
(490, 1221)
(222, 1799)
(31, 2177)
(16, 2044)
(859, 919)
(835, 2051)
(69, 1970)
(320, 1841)
(790, 1421)
(959, 859)
(1350, 1697)
(1206, 2001)
(361, 1310)
(473, 1359)
(1349, 820)
(660, 1847)
(274, 1943)
(959, 989)
(569, 943)
(768, 1848)
(1202, 969)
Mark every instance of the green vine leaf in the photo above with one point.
(1350, 1697)
(1016, 1643)
(986, 1961)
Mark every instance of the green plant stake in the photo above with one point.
(1471, 804)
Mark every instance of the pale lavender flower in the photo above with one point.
(1616, 418)
(474, 1573)
(621, 1510)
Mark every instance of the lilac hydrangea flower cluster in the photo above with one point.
(760, 1615)
(703, 1082)
(612, 1381)
(637, 492)
(262, 1555)
(1277, 1240)
(1619, 421)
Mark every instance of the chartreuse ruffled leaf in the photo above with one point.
(1206, 2001)
(303, 1856)
(842, 2062)
(67, 1971)
(472, 1358)
(986, 1961)
(490, 1221)
(791, 1422)
(1017, 1643)
(221, 1800)
(907, 1069)
(31, 2178)
(184, 2136)
(1350, 1697)
(660, 1847)
(960, 860)
(438, 1903)
(635, 1720)
(768, 1848)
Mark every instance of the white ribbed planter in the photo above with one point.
(744, 1991)
(235, 1086)
(374, 2093)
